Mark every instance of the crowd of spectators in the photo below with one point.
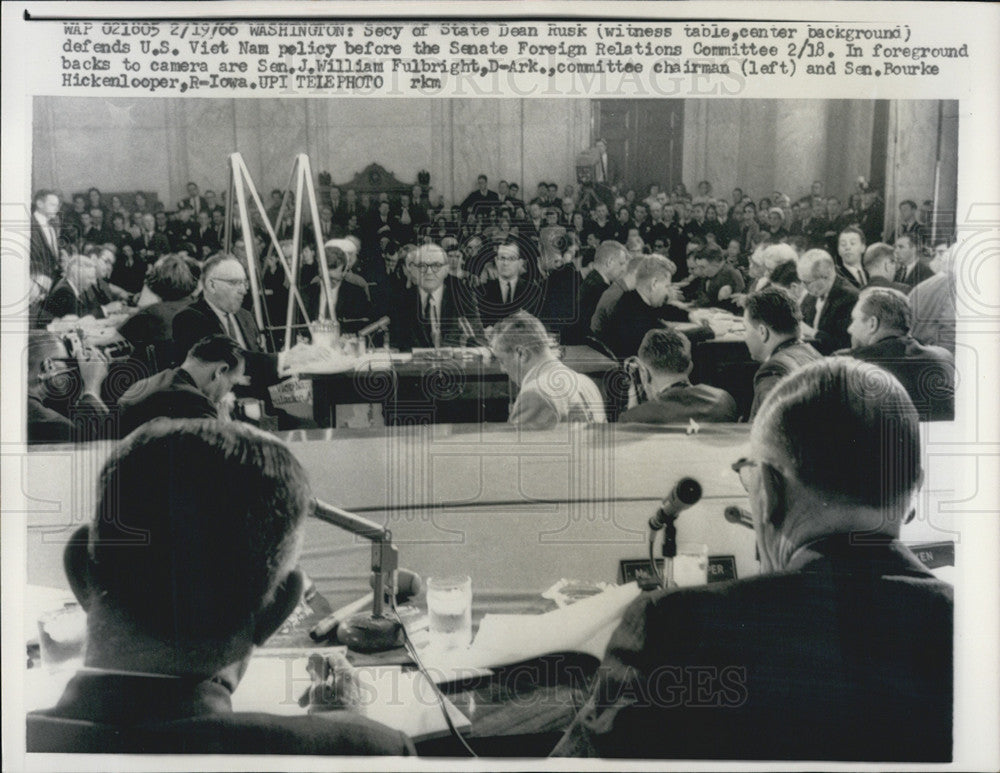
(600, 267)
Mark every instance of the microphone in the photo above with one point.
(739, 516)
(685, 493)
(379, 324)
(408, 584)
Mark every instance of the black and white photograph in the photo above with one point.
(518, 387)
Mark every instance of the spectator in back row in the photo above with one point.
(664, 367)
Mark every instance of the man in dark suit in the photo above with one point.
(664, 366)
(851, 249)
(511, 290)
(844, 623)
(912, 270)
(74, 293)
(610, 260)
(772, 322)
(880, 334)
(439, 310)
(351, 307)
(204, 237)
(481, 202)
(188, 565)
(44, 247)
(151, 243)
(194, 201)
(194, 390)
(640, 310)
(826, 310)
(220, 310)
(880, 266)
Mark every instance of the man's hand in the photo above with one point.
(93, 369)
(334, 683)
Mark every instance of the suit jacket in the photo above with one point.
(630, 319)
(154, 325)
(171, 393)
(48, 426)
(353, 309)
(409, 329)
(117, 713)
(850, 279)
(62, 300)
(559, 310)
(553, 393)
(795, 665)
(927, 372)
(209, 240)
(878, 281)
(921, 271)
(527, 295)
(680, 402)
(592, 288)
(42, 258)
(198, 320)
(197, 203)
(831, 332)
(787, 356)
(158, 245)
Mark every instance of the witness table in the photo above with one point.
(439, 391)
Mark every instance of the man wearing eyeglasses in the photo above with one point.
(511, 290)
(220, 310)
(826, 310)
(841, 649)
(439, 310)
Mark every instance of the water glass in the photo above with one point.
(449, 611)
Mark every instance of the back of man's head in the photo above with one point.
(653, 267)
(890, 307)
(665, 351)
(523, 330)
(848, 432)
(608, 252)
(774, 306)
(197, 524)
(217, 348)
(879, 259)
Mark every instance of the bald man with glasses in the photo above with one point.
(841, 649)
(439, 310)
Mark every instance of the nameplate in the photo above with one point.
(934, 554)
(720, 569)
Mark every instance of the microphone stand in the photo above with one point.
(380, 630)
(669, 552)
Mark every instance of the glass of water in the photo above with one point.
(691, 564)
(449, 611)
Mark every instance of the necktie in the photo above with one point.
(819, 310)
(231, 328)
(506, 292)
(430, 311)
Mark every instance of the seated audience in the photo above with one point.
(664, 367)
(773, 338)
(880, 266)
(350, 304)
(880, 334)
(152, 241)
(843, 625)
(194, 390)
(188, 566)
(511, 290)
(549, 392)
(438, 310)
(641, 309)
(56, 381)
(826, 309)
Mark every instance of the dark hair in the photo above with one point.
(849, 430)
(171, 278)
(774, 307)
(784, 274)
(666, 351)
(711, 253)
(335, 257)
(890, 307)
(196, 525)
(217, 348)
(912, 204)
(42, 194)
